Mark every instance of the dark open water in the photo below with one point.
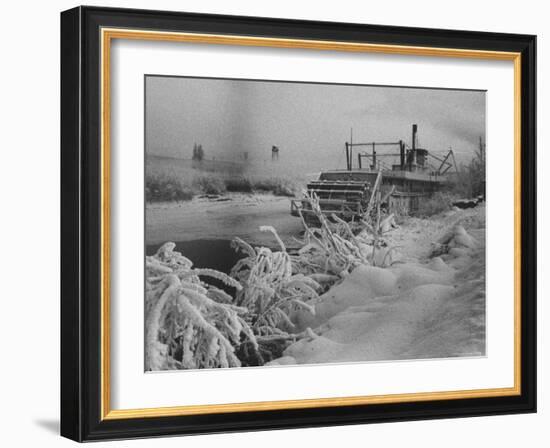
(212, 254)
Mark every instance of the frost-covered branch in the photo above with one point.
(190, 324)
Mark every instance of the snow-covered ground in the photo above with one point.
(431, 304)
(423, 306)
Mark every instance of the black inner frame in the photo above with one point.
(80, 223)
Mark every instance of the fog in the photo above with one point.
(308, 122)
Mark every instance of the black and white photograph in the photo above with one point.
(293, 223)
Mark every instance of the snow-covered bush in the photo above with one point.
(189, 324)
(332, 248)
(270, 287)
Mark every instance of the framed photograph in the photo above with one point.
(273, 223)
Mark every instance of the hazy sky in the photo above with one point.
(306, 121)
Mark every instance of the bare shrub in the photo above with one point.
(470, 181)
(209, 184)
(437, 203)
(277, 185)
(165, 187)
(238, 184)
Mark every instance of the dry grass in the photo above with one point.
(239, 184)
(277, 185)
(170, 179)
(438, 203)
(209, 184)
(166, 187)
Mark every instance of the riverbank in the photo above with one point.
(430, 304)
(221, 217)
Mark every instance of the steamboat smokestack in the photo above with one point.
(415, 129)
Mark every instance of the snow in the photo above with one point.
(425, 307)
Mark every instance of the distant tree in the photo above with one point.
(477, 167)
(198, 152)
(471, 176)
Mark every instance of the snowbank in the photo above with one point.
(423, 308)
